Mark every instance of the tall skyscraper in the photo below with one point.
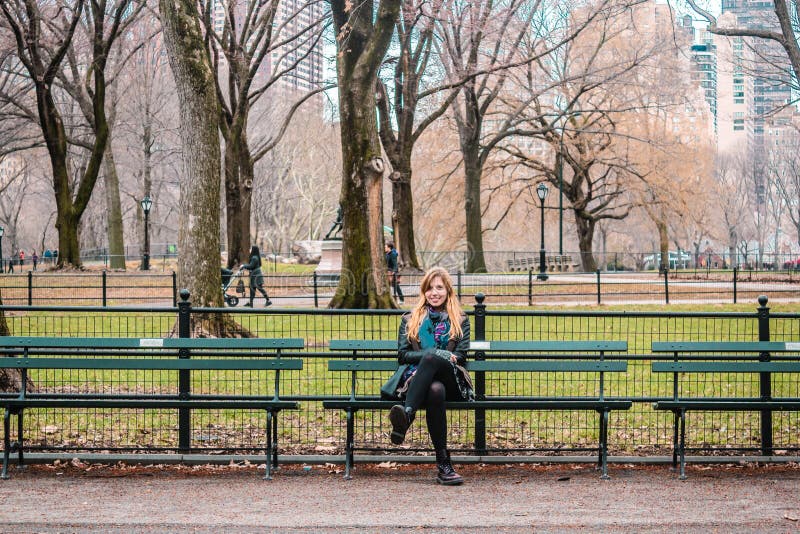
(298, 23)
(767, 68)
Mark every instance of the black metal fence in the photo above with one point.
(111, 288)
(315, 430)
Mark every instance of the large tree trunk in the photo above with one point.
(10, 379)
(663, 245)
(233, 215)
(476, 263)
(403, 214)
(361, 45)
(585, 238)
(116, 241)
(198, 231)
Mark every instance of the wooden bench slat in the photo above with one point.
(363, 344)
(494, 365)
(725, 346)
(151, 404)
(547, 366)
(549, 346)
(153, 363)
(150, 343)
(726, 367)
(362, 365)
(727, 406)
(528, 404)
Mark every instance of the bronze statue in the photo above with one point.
(333, 233)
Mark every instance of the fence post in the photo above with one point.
(184, 384)
(765, 378)
(666, 286)
(105, 289)
(480, 379)
(530, 287)
(458, 283)
(598, 285)
(735, 277)
(174, 288)
(316, 295)
(30, 287)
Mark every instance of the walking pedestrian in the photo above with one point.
(35, 259)
(21, 258)
(256, 277)
(432, 343)
(393, 270)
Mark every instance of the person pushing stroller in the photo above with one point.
(256, 277)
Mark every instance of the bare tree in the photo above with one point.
(784, 174)
(198, 238)
(363, 36)
(254, 30)
(43, 35)
(399, 110)
(731, 198)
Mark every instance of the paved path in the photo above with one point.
(496, 498)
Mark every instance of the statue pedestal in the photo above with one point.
(330, 266)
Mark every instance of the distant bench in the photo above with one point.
(558, 263)
(539, 357)
(31, 354)
(696, 360)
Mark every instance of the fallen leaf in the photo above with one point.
(388, 465)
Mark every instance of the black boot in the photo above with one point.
(401, 418)
(446, 475)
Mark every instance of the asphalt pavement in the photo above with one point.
(391, 497)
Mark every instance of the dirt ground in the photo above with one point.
(389, 497)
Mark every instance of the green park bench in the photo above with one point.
(183, 355)
(697, 360)
(535, 357)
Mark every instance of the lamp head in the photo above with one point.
(146, 203)
(541, 191)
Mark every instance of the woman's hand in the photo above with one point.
(453, 358)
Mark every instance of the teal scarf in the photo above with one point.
(434, 331)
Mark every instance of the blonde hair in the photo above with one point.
(452, 305)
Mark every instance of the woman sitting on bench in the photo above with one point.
(433, 341)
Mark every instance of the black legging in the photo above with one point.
(433, 384)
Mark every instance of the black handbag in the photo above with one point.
(389, 389)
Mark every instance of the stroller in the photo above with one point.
(229, 278)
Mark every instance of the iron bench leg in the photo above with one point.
(348, 448)
(6, 443)
(275, 439)
(20, 448)
(675, 444)
(683, 445)
(604, 445)
(268, 463)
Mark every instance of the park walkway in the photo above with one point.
(400, 498)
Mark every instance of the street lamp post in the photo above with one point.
(146, 204)
(2, 267)
(541, 192)
(561, 193)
